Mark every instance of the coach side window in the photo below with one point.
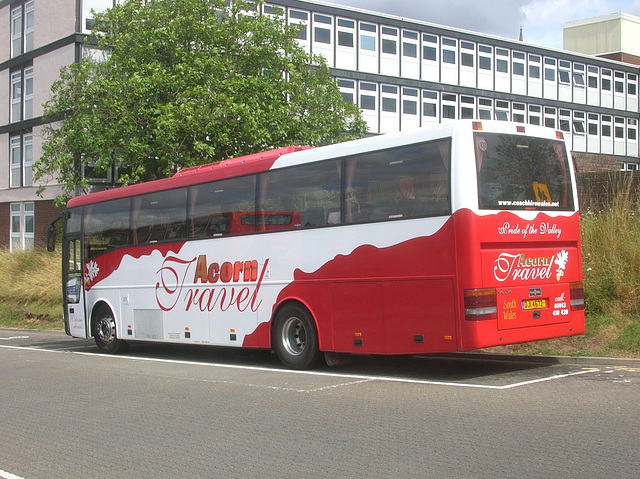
(302, 196)
(406, 182)
(222, 208)
(106, 226)
(159, 216)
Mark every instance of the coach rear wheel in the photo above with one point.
(104, 331)
(295, 338)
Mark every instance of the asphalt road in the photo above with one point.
(165, 411)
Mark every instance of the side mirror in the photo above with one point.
(52, 237)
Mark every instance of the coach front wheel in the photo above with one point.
(295, 338)
(104, 331)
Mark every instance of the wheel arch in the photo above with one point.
(292, 301)
(102, 303)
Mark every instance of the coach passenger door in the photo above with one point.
(72, 279)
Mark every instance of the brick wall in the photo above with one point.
(593, 163)
(44, 213)
(5, 225)
(598, 190)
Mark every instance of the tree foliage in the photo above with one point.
(187, 82)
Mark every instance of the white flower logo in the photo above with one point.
(92, 271)
(561, 261)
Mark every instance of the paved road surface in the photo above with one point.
(165, 411)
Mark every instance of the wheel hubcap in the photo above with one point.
(106, 330)
(294, 336)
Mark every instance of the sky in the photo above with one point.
(541, 20)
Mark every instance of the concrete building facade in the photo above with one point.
(402, 73)
(612, 36)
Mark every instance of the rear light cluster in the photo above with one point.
(480, 304)
(576, 295)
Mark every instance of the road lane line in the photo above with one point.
(8, 475)
(355, 377)
(550, 378)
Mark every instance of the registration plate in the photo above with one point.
(539, 303)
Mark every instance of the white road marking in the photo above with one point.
(8, 475)
(350, 378)
(14, 337)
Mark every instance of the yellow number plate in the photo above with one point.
(534, 303)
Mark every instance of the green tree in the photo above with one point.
(188, 82)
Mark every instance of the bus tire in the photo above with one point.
(104, 331)
(295, 338)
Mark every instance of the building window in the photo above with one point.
(534, 66)
(518, 63)
(534, 71)
(550, 69)
(632, 129)
(345, 39)
(430, 104)
(484, 57)
(346, 32)
(549, 117)
(578, 123)
(618, 130)
(368, 42)
(21, 154)
(518, 68)
(606, 82)
(534, 114)
(564, 72)
(578, 75)
(592, 124)
(410, 105)
(299, 20)
(410, 48)
(28, 93)
(467, 53)
(347, 90)
(389, 45)
(449, 56)
(502, 65)
(389, 104)
(16, 31)
(592, 77)
(368, 101)
(449, 103)
(322, 34)
(16, 96)
(606, 126)
(429, 52)
(485, 109)
(518, 112)
(22, 226)
(619, 82)
(22, 22)
(22, 94)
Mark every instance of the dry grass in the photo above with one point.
(30, 290)
(611, 252)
